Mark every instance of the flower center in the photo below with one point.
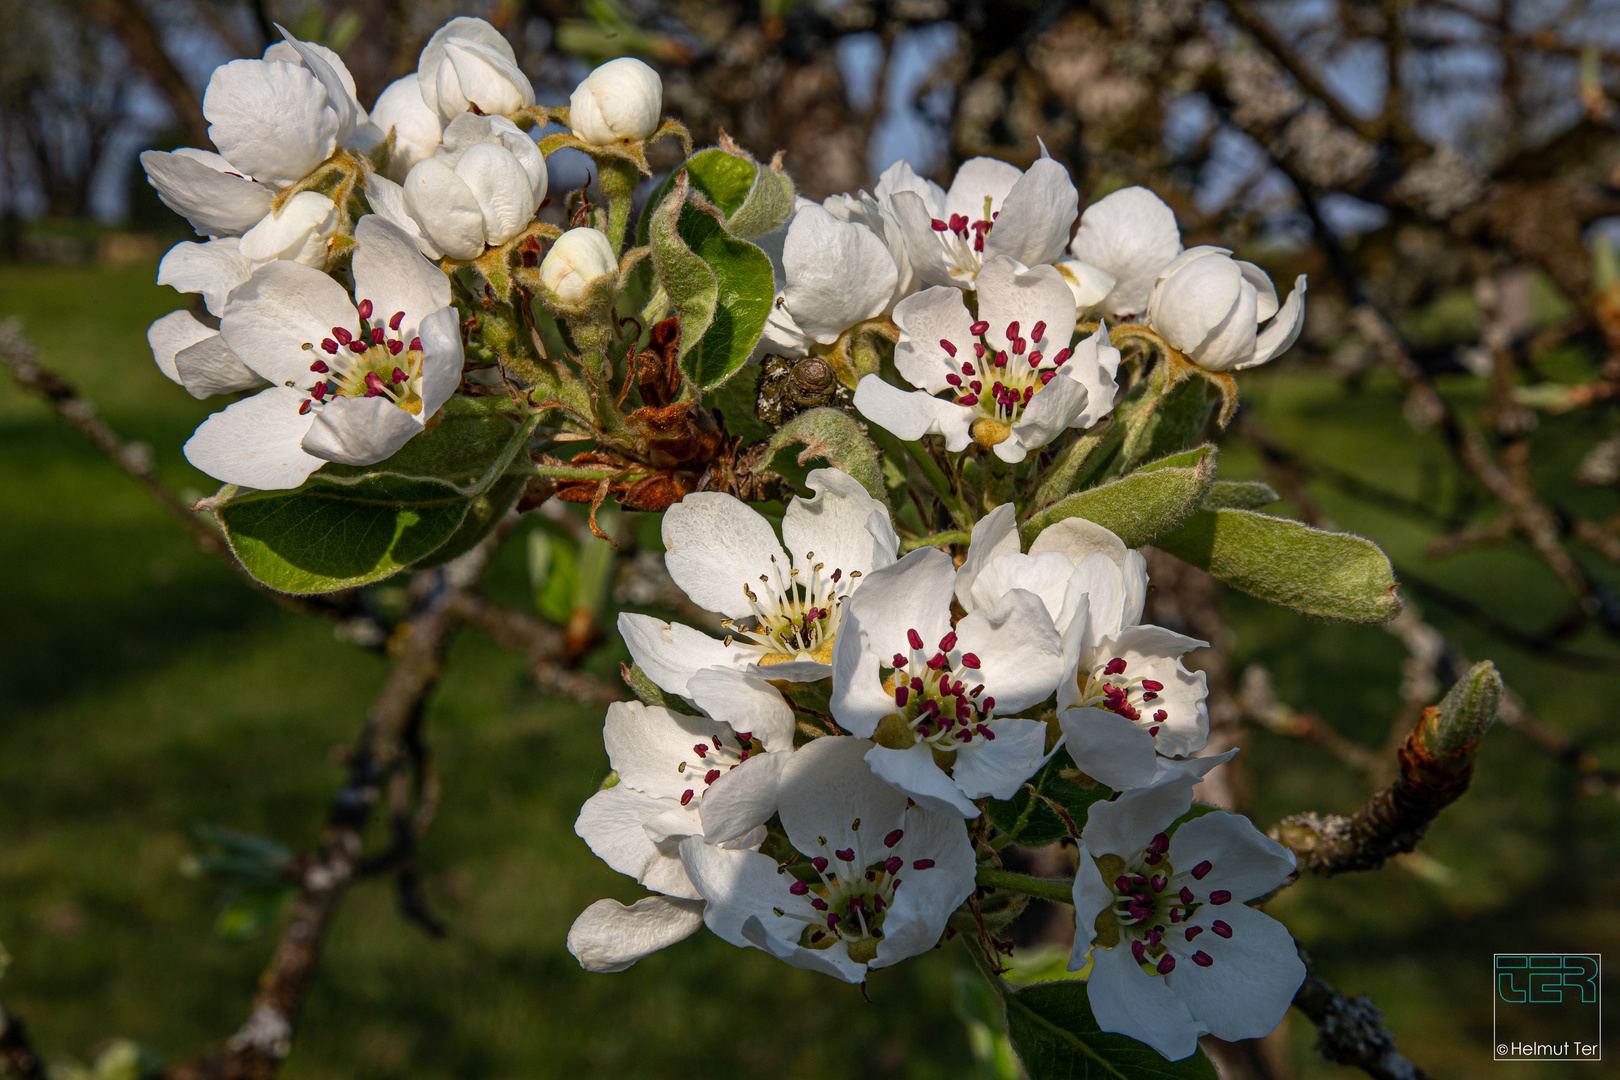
(963, 239)
(852, 891)
(1159, 913)
(1001, 383)
(1135, 698)
(935, 695)
(376, 362)
(713, 760)
(796, 613)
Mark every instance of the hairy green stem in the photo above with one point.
(937, 540)
(1053, 889)
(618, 179)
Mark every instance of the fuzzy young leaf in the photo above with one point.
(1178, 420)
(745, 287)
(839, 438)
(691, 285)
(753, 199)
(1329, 574)
(1138, 507)
(1056, 1036)
(1240, 495)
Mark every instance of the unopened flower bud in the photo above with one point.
(417, 128)
(482, 187)
(297, 232)
(575, 262)
(620, 100)
(1465, 713)
(469, 63)
(1211, 307)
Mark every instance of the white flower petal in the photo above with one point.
(1152, 652)
(833, 960)
(360, 431)
(743, 798)
(1011, 292)
(715, 546)
(387, 201)
(980, 187)
(927, 254)
(738, 885)
(645, 745)
(435, 56)
(999, 767)
(296, 232)
(621, 99)
(1132, 235)
(1125, 826)
(1020, 654)
(1109, 748)
(488, 76)
(1280, 336)
(1034, 221)
(212, 269)
(446, 208)
(271, 119)
(913, 594)
(255, 442)
(926, 319)
(902, 177)
(175, 331)
(389, 271)
(1076, 537)
(1265, 291)
(1194, 295)
(441, 358)
(1045, 576)
(1093, 365)
(909, 415)
(994, 535)
(215, 202)
(1127, 1000)
(1089, 284)
(832, 524)
(500, 184)
(914, 773)
(279, 310)
(1232, 341)
(826, 789)
(1058, 406)
(416, 128)
(838, 274)
(208, 367)
(1255, 974)
(613, 823)
(927, 897)
(671, 653)
(609, 937)
(746, 702)
(1245, 861)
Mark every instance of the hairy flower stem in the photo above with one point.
(943, 539)
(618, 179)
(1053, 889)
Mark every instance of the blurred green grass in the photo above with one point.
(144, 688)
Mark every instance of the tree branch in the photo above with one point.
(1351, 1031)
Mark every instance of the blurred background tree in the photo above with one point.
(1447, 172)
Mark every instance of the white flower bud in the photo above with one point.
(622, 99)
(417, 128)
(468, 62)
(297, 232)
(1211, 307)
(575, 262)
(482, 187)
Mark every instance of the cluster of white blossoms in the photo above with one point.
(946, 685)
(445, 173)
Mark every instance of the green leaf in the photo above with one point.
(483, 514)
(553, 574)
(1138, 507)
(839, 438)
(348, 525)
(1240, 495)
(1329, 574)
(1177, 420)
(1077, 462)
(689, 282)
(1033, 823)
(1054, 1032)
(745, 288)
(753, 199)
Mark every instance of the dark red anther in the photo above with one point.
(818, 903)
(959, 222)
(393, 323)
(1175, 915)
(923, 864)
(1047, 376)
(989, 735)
(1062, 357)
(1202, 958)
(847, 854)
(893, 838)
(342, 335)
(976, 691)
(950, 350)
(1154, 730)
(899, 661)
(820, 863)
(1220, 896)
(1194, 931)
(987, 704)
(968, 399)
(701, 750)
(901, 693)
(914, 638)
(1221, 928)
(948, 642)
(1115, 666)
(799, 888)
(1036, 357)
(711, 776)
(1186, 895)
(1029, 392)
(396, 347)
(832, 920)
(954, 380)
(359, 345)
(1167, 964)
(979, 329)
(1012, 330)
(1201, 869)
(686, 797)
(970, 660)
(365, 309)
(374, 384)
(978, 350)
(1149, 696)
(916, 684)
(936, 661)
(1159, 844)
(329, 345)
(1159, 881)
(319, 367)
(939, 226)
(877, 907)
(1160, 716)
(398, 376)
(1039, 331)
(1139, 951)
(1152, 684)
(303, 410)
(967, 367)
(378, 335)
(1153, 937)
(416, 344)
(318, 391)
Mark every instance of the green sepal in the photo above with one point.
(1140, 506)
(839, 438)
(1332, 575)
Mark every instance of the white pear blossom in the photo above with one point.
(298, 231)
(619, 101)
(876, 211)
(1212, 307)
(877, 882)
(186, 349)
(992, 208)
(1175, 952)
(417, 129)
(347, 385)
(482, 187)
(713, 776)
(1129, 236)
(468, 63)
(1014, 381)
(782, 613)
(940, 700)
(837, 273)
(577, 260)
(273, 121)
